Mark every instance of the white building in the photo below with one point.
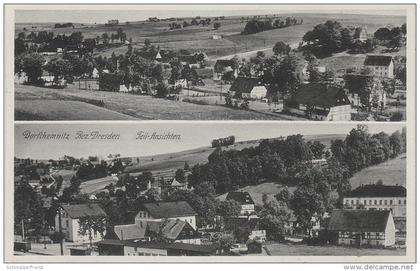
(378, 197)
(380, 65)
(70, 215)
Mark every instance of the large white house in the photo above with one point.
(380, 65)
(363, 227)
(70, 217)
(378, 197)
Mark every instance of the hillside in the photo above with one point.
(200, 37)
(391, 172)
(165, 165)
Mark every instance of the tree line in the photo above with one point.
(256, 26)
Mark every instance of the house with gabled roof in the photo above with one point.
(248, 88)
(244, 199)
(380, 65)
(378, 197)
(166, 210)
(224, 67)
(363, 227)
(171, 231)
(70, 217)
(319, 101)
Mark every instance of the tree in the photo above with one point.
(217, 25)
(317, 148)
(229, 208)
(152, 195)
(92, 225)
(395, 141)
(162, 90)
(180, 175)
(60, 68)
(281, 48)
(382, 34)
(274, 215)
(32, 66)
(225, 241)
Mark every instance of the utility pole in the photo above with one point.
(23, 231)
(60, 229)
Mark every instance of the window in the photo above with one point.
(67, 223)
(405, 201)
(357, 201)
(386, 202)
(380, 202)
(399, 201)
(390, 202)
(351, 202)
(364, 202)
(375, 202)
(191, 221)
(370, 202)
(347, 201)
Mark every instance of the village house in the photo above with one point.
(244, 199)
(171, 231)
(170, 210)
(248, 88)
(363, 227)
(223, 68)
(380, 65)
(378, 197)
(49, 80)
(143, 248)
(319, 101)
(70, 217)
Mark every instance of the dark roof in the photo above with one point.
(244, 84)
(359, 220)
(129, 232)
(377, 60)
(169, 209)
(83, 210)
(320, 94)
(373, 190)
(241, 197)
(169, 229)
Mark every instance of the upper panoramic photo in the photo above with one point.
(211, 62)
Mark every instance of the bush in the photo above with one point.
(396, 116)
(56, 237)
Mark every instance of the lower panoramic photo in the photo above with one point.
(210, 189)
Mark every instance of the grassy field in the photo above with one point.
(391, 172)
(305, 250)
(37, 103)
(200, 38)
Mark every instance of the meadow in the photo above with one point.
(391, 172)
(38, 103)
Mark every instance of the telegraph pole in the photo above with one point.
(60, 229)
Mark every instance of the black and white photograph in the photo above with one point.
(226, 133)
(219, 190)
(217, 62)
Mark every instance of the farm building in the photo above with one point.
(363, 227)
(320, 101)
(380, 65)
(222, 67)
(70, 217)
(172, 231)
(378, 197)
(136, 248)
(87, 83)
(248, 88)
(244, 199)
(170, 210)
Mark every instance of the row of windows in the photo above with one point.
(375, 202)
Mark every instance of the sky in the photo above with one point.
(92, 14)
(193, 135)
